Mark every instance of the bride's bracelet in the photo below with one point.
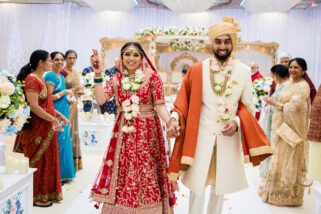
(98, 80)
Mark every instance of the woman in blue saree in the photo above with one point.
(57, 87)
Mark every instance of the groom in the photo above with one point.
(209, 147)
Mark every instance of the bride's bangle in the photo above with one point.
(98, 80)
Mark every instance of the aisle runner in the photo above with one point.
(243, 202)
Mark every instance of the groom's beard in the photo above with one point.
(222, 57)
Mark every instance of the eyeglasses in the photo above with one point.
(49, 60)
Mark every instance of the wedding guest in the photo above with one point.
(284, 182)
(38, 138)
(280, 75)
(73, 82)
(90, 68)
(57, 88)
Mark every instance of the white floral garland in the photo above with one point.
(186, 44)
(224, 107)
(173, 30)
(131, 106)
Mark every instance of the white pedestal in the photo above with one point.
(2, 150)
(95, 136)
(17, 192)
(317, 190)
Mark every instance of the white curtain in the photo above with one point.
(25, 28)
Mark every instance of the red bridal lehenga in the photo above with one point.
(133, 177)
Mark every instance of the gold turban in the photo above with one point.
(227, 26)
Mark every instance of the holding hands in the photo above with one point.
(173, 129)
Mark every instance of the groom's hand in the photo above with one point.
(229, 128)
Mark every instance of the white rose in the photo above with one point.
(131, 129)
(126, 86)
(4, 124)
(20, 121)
(125, 80)
(135, 107)
(135, 99)
(138, 72)
(135, 114)
(135, 87)
(128, 116)
(125, 103)
(138, 80)
(125, 129)
(267, 88)
(127, 109)
(5, 101)
(218, 88)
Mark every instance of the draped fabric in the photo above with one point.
(67, 168)
(72, 81)
(314, 136)
(39, 144)
(299, 26)
(133, 178)
(283, 184)
(266, 124)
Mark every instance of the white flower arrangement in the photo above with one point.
(261, 89)
(186, 44)
(14, 110)
(89, 85)
(172, 30)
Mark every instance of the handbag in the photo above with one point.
(289, 135)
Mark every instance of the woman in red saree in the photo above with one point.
(38, 138)
(133, 177)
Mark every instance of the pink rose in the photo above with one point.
(7, 88)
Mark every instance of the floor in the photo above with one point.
(247, 201)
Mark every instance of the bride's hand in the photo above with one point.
(97, 63)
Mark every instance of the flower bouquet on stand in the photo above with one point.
(261, 89)
(88, 98)
(14, 110)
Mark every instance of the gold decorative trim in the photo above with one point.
(43, 148)
(187, 160)
(261, 151)
(247, 159)
(184, 55)
(173, 176)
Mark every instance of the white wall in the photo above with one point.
(24, 28)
